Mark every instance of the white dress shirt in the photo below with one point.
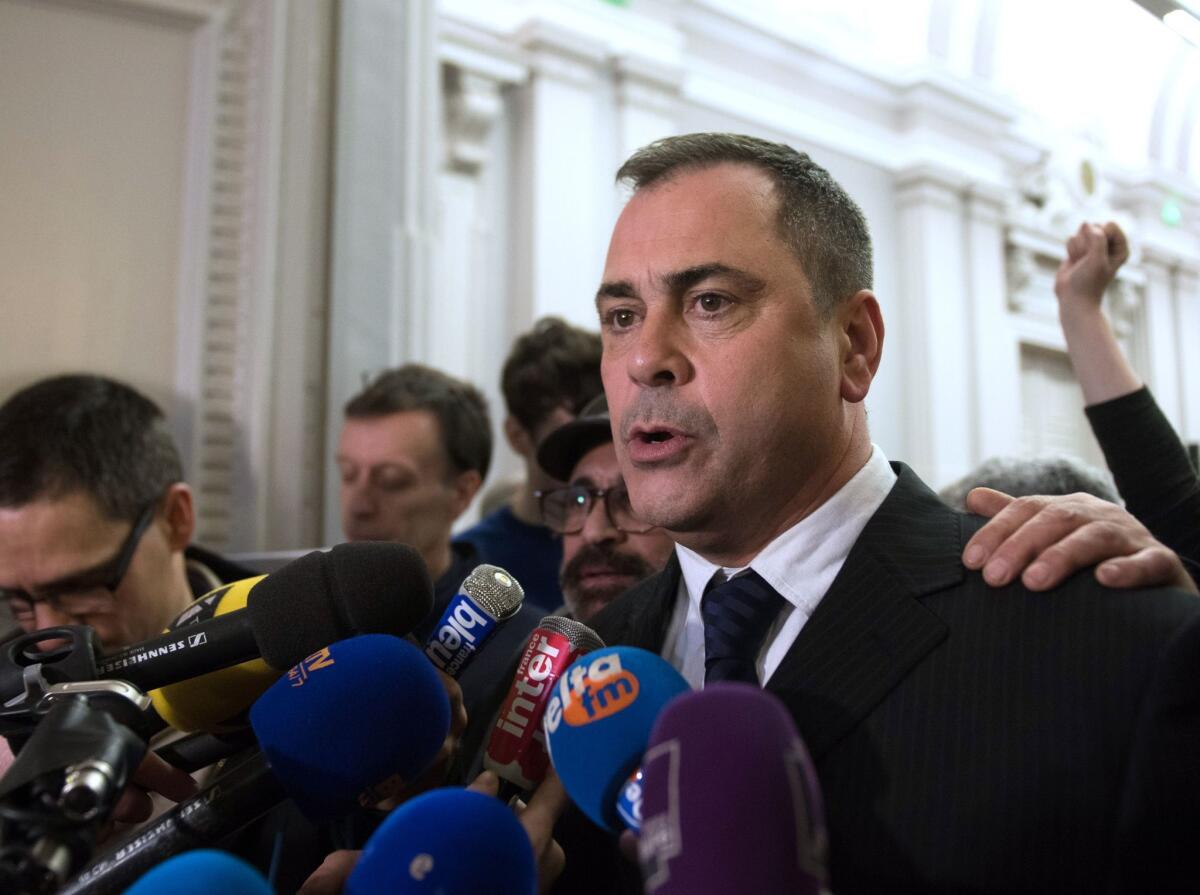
(801, 564)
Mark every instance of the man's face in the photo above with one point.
(397, 483)
(601, 562)
(59, 550)
(722, 378)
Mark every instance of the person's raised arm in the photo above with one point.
(1094, 254)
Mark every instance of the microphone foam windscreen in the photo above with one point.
(730, 800)
(348, 717)
(447, 842)
(598, 720)
(201, 872)
(360, 588)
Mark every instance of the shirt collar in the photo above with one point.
(818, 543)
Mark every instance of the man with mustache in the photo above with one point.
(606, 548)
(966, 738)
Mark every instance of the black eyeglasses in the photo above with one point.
(565, 510)
(96, 592)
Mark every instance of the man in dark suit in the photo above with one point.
(966, 739)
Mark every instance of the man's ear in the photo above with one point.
(860, 326)
(180, 515)
(465, 485)
(518, 438)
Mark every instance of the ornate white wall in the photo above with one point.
(357, 184)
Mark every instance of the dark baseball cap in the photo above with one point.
(565, 446)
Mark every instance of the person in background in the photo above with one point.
(606, 548)
(96, 524)
(551, 372)
(1021, 476)
(414, 449)
(1148, 461)
(96, 521)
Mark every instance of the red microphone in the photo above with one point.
(516, 751)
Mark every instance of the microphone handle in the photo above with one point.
(236, 798)
(187, 652)
(200, 750)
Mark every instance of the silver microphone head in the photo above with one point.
(582, 638)
(494, 591)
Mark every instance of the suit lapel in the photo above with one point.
(870, 630)
(647, 624)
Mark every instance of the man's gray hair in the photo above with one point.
(1022, 476)
(823, 226)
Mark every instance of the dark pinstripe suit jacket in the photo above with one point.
(970, 739)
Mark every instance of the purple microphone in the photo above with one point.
(730, 799)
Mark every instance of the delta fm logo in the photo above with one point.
(591, 691)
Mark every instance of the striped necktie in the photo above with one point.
(737, 615)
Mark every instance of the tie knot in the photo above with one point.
(737, 615)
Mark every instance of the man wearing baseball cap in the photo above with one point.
(606, 548)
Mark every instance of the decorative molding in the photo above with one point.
(471, 105)
(647, 84)
(229, 302)
(926, 184)
(191, 12)
(478, 52)
(1124, 300)
(562, 54)
(1020, 268)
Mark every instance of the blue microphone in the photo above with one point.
(365, 710)
(447, 842)
(486, 599)
(598, 721)
(202, 872)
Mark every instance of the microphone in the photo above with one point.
(199, 750)
(358, 588)
(731, 802)
(202, 872)
(447, 842)
(516, 751)
(346, 718)
(598, 721)
(487, 597)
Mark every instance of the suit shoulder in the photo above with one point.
(612, 622)
(1134, 621)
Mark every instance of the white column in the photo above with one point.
(384, 179)
(467, 288)
(994, 348)
(472, 312)
(563, 207)
(647, 102)
(647, 110)
(1160, 357)
(1187, 308)
(939, 419)
(293, 467)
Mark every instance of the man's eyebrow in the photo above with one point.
(616, 289)
(583, 482)
(682, 280)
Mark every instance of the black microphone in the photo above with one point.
(208, 664)
(358, 588)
